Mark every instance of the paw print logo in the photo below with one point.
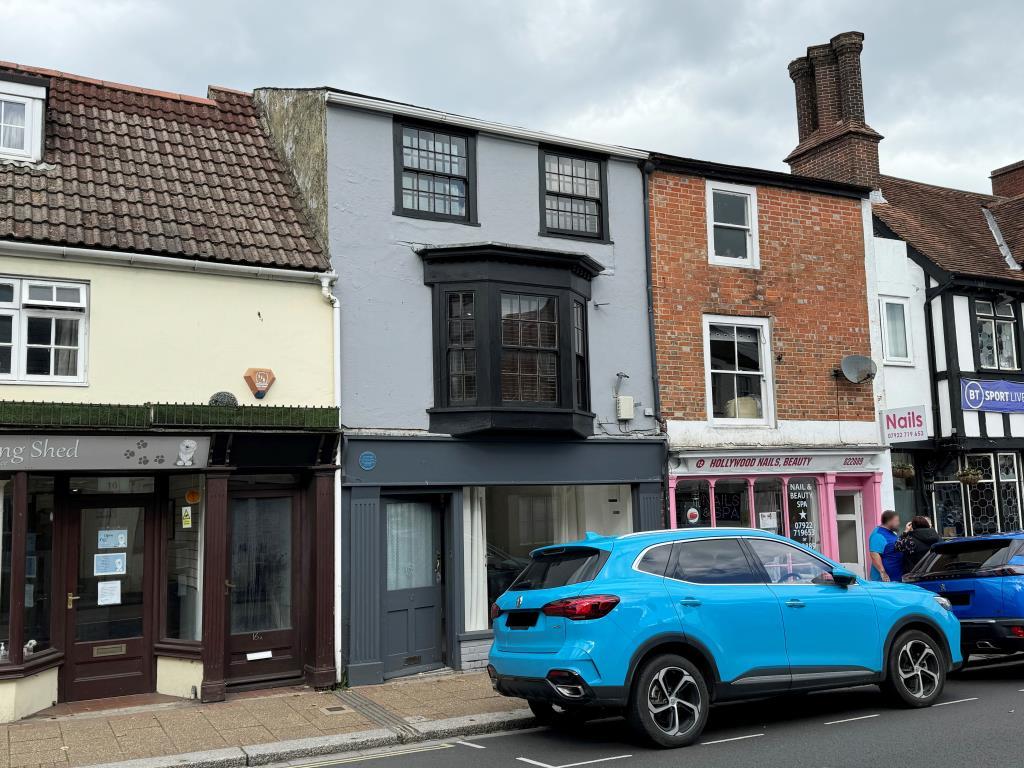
(129, 454)
(141, 444)
(159, 458)
(144, 460)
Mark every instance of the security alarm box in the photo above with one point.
(624, 407)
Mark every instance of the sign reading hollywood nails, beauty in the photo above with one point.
(84, 452)
(996, 396)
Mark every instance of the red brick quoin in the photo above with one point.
(811, 283)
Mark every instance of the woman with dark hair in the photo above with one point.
(916, 541)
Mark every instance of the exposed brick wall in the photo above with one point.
(474, 653)
(849, 157)
(811, 283)
(1008, 181)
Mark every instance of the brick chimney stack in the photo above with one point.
(1008, 181)
(835, 141)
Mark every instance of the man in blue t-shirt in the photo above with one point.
(886, 562)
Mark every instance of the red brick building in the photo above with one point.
(759, 293)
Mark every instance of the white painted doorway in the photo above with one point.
(850, 527)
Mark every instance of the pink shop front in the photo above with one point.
(829, 500)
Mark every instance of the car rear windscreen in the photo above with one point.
(560, 568)
(964, 558)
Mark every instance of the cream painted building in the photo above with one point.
(168, 402)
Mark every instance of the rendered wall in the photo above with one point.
(178, 677)
(27, 695)
(164, 336)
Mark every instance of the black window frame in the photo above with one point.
(470, 217)
(603, 233)
(489, 271)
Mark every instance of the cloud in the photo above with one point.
(698, 78)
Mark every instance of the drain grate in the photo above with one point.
(335, 710)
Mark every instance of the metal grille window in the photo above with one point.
(461, 329)
(737, 371)
(435, 173)
(997, 335)
(529, 348)
(573, 195)
(42, 331)
(579, 348)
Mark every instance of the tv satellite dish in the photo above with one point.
(858, 368)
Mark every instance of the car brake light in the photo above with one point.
(1017, 631)
(581, 608)
(495, 611)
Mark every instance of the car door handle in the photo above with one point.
(690, 602)
(794, 603)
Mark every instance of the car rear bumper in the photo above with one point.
(570, 690)
(990, 636)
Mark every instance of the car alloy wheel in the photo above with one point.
(674, 701)
(918, 668)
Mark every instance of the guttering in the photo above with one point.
(169, 263)
(357, 101)
(645, 170)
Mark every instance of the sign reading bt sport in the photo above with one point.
(993, 395)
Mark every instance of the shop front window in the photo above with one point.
(185, 517)
(768, 504)
(6, 490)
(693, 504)
(518, 519)
(804, 518)
(1009, 492)
(39, 589)
(732, 503)
(904, 498)
(982, 504)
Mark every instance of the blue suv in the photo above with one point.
(983, 578)
(659, 625)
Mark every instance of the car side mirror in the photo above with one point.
(843, 577)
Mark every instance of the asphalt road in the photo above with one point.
(978, 721)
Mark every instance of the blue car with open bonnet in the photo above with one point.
(660, 625)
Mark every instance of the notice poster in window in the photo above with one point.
(110, 565)
(186, 518)
(108, 593)
(803, 511)
(112, 539)
(768, 521)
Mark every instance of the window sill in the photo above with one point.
(898, 363)
(179, 649)
(576, 238)
(740, 424)
(42, 383)
(39, 662)
(434, 217)
(716, 261)
(474, 420)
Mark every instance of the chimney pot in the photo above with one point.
(806, 107)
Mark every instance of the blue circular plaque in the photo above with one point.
(367, 460)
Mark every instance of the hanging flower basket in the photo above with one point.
(903, 471)
(969, 476)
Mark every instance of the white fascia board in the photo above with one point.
(483, 126)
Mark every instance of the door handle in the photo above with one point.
(690, 602)
(794, 603)
(71, 600)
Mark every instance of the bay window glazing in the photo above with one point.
(39, 587)
(185, 519)
(6, 497)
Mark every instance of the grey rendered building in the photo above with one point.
(497, 388)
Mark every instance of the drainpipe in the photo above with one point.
(326, 286)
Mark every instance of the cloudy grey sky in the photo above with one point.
(700, 78)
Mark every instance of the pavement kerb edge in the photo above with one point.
(230, 757)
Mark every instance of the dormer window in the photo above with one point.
(21, 119)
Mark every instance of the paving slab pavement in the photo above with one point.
(259, 728)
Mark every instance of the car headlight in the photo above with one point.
(944, 602)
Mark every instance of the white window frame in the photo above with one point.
(753, 260)
(764, 328)
(887, 357)
(21, 310)
(995, 318)
(33, 97)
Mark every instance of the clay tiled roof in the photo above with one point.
(130, 169)
(1009, 215)
(949, 227)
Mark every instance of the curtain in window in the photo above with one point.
(410, 544)
(474, 534)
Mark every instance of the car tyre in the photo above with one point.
(669, 703)
(916, 670)
(557, 716)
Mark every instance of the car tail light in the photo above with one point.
(495, 611)
(1017, 631)
(582, 608)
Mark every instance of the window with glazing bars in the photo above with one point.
(435, 173)
(997, 335)
(573, 195)
(529, 348)
(579, 348)
(461, 329)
